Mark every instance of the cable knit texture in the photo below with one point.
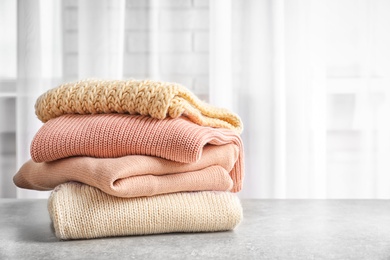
(146, 97)
(135, 175)
(80, 211)
(116, 135)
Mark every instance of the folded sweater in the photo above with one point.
(135, 175)
(154, 98)
(116, 135)
(80, 211)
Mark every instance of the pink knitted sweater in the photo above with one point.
(135, 175)
(116, 135)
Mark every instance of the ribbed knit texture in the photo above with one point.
(154, 98)
(80, 211)
(135, 175)
(115, 135)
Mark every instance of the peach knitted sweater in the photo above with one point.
(116, 135)
(80, 211)
(146, 97)
(135, 175)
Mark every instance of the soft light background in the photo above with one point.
(310, 79)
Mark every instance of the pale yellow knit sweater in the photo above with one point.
(79, 211)
(153, 98)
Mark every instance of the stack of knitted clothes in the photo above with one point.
(135, 157)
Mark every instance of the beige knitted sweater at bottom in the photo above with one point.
(146, 97)
(79, 211)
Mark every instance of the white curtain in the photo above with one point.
(309, 79)
(36, 63)
(40, 57)
(287, 67)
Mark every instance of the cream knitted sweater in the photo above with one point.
(80, 211)
(154, 98)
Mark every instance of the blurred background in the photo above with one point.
(309, 78)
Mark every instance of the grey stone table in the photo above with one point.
(271, 229)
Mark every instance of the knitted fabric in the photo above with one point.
(116, 135)
(135, 175)
(80, 211)
(154, 98)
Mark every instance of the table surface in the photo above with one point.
(271, 229)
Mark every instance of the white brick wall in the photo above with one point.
(7, 147)
(71, 42)
(184, 64)
(71, 65)
(201, 3)
(7, 115)
(175, 42)
(136, 64)
(173, 38)
(70, 3)
(201, 42)
(137, 42)
(192, 19)
(164, 39)
(201, 84)
(138, 19)
(70, 17)
(161, 3)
